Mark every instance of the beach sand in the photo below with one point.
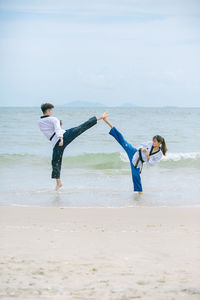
(99, 253)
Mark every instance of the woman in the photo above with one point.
(149, 152)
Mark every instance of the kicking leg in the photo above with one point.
(130, 150)
(68, 137)
(72, 133)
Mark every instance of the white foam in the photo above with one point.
(180, 155)
(176, 156)
(124, 157)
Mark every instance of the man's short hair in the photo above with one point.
(46, 106)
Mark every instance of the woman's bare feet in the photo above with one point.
(59, 184)
(105, 115)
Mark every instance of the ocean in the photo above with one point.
(95, 170)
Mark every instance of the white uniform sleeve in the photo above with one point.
(144, 145)
(154, 159)
(57, 128)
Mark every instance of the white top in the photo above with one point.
(48, 125)
(154, 157)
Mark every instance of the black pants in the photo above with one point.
(68, 137)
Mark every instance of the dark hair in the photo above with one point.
(46, 106)
(161, 140)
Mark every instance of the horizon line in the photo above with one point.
(96, 106)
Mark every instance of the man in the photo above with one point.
(60, 138)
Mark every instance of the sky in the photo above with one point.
(143, 52)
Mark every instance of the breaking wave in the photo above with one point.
(99, 161)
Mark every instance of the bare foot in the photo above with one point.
(105, 115)
(59, 184)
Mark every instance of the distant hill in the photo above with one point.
(83, 104)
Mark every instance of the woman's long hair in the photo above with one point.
(161, 140)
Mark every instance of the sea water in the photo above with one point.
(95, 169)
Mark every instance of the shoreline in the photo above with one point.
(182, 206)
(99, 253)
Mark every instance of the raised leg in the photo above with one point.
(130, 150)
(68, 137)
(72, 133)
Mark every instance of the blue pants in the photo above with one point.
(130, 150)
(68, 137)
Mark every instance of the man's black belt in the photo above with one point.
(52, 136)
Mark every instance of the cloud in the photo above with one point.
(108, 50)
(104, 7)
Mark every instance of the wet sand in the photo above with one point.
(99, 253)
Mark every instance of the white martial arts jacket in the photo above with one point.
(154, 157)
(50, 126)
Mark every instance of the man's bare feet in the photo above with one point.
(59, 184)
(105, 115)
